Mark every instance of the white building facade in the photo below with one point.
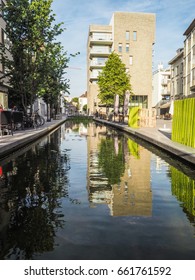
(82, 101)
(189, 60)
(161, 89)
(177, 75)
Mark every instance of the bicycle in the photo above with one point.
(34, 120)
(37, 119)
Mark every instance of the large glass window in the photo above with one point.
(139, 100)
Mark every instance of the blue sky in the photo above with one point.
(172, 19)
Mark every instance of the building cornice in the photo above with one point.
(178, 55)
(190, 28)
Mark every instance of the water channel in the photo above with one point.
(87, 191)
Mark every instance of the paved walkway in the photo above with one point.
(20, 138)
(160, 136)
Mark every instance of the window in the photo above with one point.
(131, 60)
(177, 70)
(181, 67)
(193, 60)
(193, 74)
(127, 35)
(120, 47)
(4, 38)
(181, 89)
(134, 35)
(139, 100)
(127, 47)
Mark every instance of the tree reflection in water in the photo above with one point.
(32, 199)
(111, 158)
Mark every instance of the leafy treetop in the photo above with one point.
(113, 80)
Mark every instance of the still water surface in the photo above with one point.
(89, 192)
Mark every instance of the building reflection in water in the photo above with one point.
(122, 179)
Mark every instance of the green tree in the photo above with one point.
(85, 108)
(31, 29)
(75, 102)
(113, 80)
(53, 65)
(75, 99)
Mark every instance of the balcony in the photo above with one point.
(164, 82)
(93, 78)
(96, 64)
(101, 52)
(165, 93)
(101, 40)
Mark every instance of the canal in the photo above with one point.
(87, 191)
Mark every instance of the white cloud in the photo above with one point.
(172, 19)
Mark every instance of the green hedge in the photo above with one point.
(183, 125)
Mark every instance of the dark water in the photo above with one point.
(88, 192)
